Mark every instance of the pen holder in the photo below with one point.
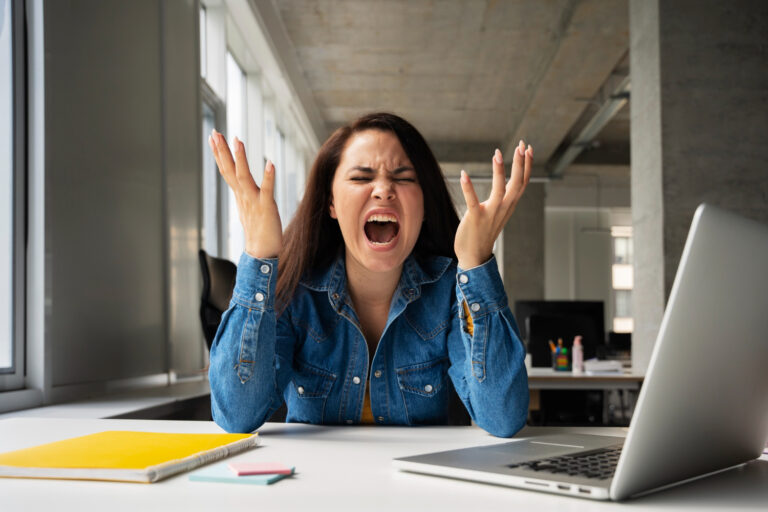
(560, 362)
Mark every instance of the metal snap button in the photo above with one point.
(356, 379)
(475, 307)
(349, 422)
(259, 297)
(463, 278)
(264, 269)
(335, 296)
(300, 389)
(428, 388)
(380, 419)
(377, 373)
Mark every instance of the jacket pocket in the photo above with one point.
(307, 393)
(425, 391)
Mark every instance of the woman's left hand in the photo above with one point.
(483, 222)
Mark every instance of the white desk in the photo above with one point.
(338, 469)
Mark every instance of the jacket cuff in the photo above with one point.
(482, 288)
(256, 282)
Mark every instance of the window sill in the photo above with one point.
(112, 405)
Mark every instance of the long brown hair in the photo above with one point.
(313, 239)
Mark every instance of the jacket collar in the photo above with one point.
(333, 279)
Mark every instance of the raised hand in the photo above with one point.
(255, 205)
(483, 222)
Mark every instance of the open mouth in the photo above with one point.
(381, 229)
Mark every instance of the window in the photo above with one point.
(622, 278)
(11, 194)
(236, 110)
(203, 42)
(244, 97)
(214, 187)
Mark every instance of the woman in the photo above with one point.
(359, 313)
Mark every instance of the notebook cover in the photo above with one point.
(122, 455)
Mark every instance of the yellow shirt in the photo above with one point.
(366, 418)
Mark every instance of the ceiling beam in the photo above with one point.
(282, 48)
(612, 97)
(593, 43)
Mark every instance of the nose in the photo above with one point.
(383, 190)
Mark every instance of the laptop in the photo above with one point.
(703, 407)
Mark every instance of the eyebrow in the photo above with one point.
(399, 170)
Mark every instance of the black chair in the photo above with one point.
(218, 282)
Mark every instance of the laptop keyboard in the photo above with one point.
(599, 464)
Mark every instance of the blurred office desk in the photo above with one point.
(547, 378)
(338, 469)
(619, 391)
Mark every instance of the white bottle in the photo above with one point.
(577, 356)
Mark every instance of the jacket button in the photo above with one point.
(377, 373)
(380, 419)
(428, 388)
(349, 422)
(259, 297)
(335, 296)
(264, 269)
(475, 307)
(356, 379)
(300, 389)
(463, 278)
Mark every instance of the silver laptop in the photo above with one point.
(704, 405)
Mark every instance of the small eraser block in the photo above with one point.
(259, 468)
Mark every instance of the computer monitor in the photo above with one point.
(544, 320)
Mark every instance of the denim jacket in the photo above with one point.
(315, 357)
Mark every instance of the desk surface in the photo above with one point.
(339, 468)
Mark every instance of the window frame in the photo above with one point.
(12, 378)
(215, 242)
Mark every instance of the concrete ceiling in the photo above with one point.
(471, 75)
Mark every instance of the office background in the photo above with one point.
(638, 111)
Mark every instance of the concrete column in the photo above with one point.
(524, 248)
(699, 73)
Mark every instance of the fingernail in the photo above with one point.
(530, 148)
(464, 176)
(497, 156)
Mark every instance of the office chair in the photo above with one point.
(218, 283)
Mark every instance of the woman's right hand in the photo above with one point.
(256, 205)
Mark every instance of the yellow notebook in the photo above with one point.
(122, 455)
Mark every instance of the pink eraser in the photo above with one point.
(259, 468)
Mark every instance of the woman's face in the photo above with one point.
(377, 200)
